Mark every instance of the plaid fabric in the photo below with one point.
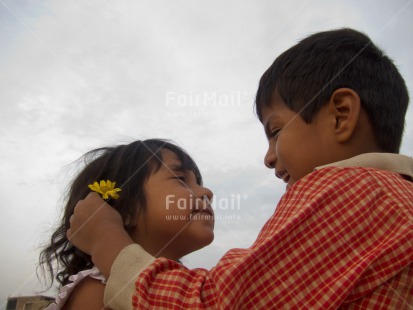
(340, 238)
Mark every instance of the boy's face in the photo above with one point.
(295, 148)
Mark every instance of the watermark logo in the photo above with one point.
(204, 115)
(233, 202)
(216, 217)
(225, 208)
(204, 99)
(205, 105)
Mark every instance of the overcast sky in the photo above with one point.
(76, 75)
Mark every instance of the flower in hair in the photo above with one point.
(106, 189)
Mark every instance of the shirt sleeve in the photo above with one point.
(337, 237)
(124, 272)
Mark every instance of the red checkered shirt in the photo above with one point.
(339, 238)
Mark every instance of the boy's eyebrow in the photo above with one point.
(267, 128)
(272, 119)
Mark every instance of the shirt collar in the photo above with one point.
(400, 164)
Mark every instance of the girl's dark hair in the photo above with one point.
(129, 166)
(307, 74)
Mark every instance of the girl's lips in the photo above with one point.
(204, 214)
(208, 210)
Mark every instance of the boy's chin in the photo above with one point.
(290, 183)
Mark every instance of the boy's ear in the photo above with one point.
(345, 107)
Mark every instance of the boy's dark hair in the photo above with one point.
(129, 166)
(307, 74)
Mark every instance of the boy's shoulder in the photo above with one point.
(357, 177)
(336, 191)
(396, 163)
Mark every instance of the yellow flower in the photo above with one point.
(106, 189)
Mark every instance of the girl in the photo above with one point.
(161, 200)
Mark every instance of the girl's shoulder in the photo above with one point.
(87, 295)
(85, 287)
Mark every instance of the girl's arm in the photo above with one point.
(97, 229)
(88, 294)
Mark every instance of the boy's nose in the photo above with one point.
(270, 158)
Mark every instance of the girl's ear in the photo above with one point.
(129, 222)
(345, 105)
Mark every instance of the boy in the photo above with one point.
(333, 109)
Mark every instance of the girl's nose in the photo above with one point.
(205, 193)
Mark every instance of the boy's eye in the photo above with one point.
(274, 133)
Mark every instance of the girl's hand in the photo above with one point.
(97, 229)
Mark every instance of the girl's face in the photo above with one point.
(179, 218)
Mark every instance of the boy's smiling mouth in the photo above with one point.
(283, 175)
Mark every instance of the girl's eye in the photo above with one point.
(180, 178)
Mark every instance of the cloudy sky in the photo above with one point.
(76, 75)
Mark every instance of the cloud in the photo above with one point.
(76, 76)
